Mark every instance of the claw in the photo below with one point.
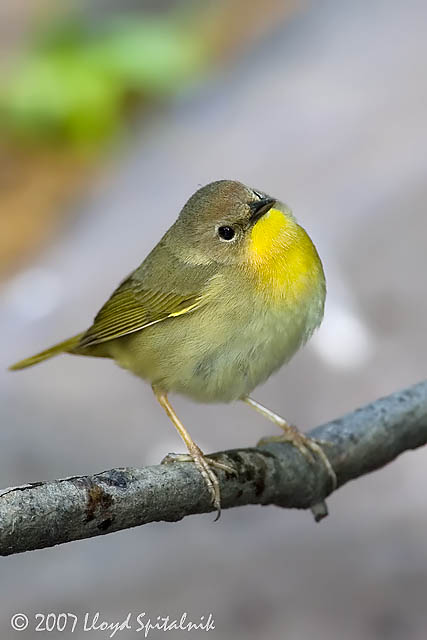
(204, 464)
(221, 465)
(307, 446)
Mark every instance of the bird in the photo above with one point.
(228, 295)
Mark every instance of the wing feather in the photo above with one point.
(132, 308)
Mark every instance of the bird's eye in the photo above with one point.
(226, 233)
(257, 194)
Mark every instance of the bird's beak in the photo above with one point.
(260, 208)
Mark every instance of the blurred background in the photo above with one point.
(111, 114)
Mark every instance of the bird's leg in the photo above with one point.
(203, 463)
(306, 445)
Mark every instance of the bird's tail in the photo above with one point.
(61, 347)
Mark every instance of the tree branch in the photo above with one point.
(44, 514)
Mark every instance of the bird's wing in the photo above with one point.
(132, 308)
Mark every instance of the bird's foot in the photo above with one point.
(309, 447)
(206, 466)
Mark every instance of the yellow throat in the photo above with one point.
(283, 258)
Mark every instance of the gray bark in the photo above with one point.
(44, 514)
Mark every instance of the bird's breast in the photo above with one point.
(283, 261)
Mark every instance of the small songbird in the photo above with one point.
(233, 289)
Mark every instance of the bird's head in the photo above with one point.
(229, 223)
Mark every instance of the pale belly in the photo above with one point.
(215, 356)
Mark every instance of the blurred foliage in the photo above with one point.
(75, 82)
(80, 80)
